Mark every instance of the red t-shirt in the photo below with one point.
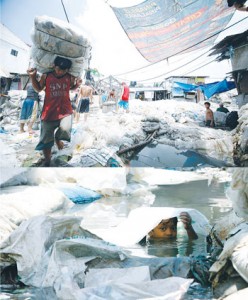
(57, 104)
(125, 95)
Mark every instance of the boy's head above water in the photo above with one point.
(167, 228)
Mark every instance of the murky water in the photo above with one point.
(210, 200)
(110, 211)
(164, 156)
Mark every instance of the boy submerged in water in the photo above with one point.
(57, 110)
(167, 228)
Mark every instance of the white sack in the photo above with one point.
(23, 202)
(108, 180)
(97, 277)
(220, 118)
(53, 37)
(235, 249)
(59, 37)
(9, 175)
(238, 192)
(44, 61)
(142, 220)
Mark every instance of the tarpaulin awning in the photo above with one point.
(209, 89)
(162, 28)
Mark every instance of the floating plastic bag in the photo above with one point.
(78, 194)
(167, 289)
(97, 277)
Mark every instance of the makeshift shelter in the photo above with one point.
(235, 48)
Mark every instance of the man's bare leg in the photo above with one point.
(59, 144)
(22, 127)
(30, 127)
(77, 117)
(47, 154)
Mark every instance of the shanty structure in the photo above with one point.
(105, 85)
(235, 48)
(15, 58)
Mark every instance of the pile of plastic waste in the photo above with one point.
(53, 37)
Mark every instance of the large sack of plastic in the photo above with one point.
(220, 118)
(8, 176)
(108, 180)
(238, 192)
(23, 202)
(235, 250)
(42, 246)
(53, 37)
(78, 194)
(44, 61)
(142, 220)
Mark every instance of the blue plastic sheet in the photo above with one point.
(162, 28)
(78, 194)
(209, 89)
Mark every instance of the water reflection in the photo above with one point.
(165, 156)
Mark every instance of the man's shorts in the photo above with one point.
(124, 104)
(27, 109)
(208, 123)
(83, 105)
(48, 128)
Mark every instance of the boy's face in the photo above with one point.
(207, 106)
(59, 72)
(164, 230)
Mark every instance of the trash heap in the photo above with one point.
(241, 138)
(11, 106)
(229, 274)
(52, 38)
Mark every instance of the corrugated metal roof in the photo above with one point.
(234, 40)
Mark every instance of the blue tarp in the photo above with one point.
(217, 88)
(78, 194)
(162, 28)
(209, 89)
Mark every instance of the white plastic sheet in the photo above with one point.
(142, 220)
(42, 245)
(165, 177)
(23, 202)
(98, 277)
(167, 289)
(235, 249)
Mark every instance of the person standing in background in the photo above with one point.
(28, 109)
(124, 102)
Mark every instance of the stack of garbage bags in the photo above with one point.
(231, 233)
(51, 38)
